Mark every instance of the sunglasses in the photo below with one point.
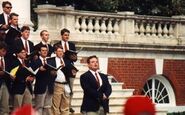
(8, 7)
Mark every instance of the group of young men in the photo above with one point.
(53, 72)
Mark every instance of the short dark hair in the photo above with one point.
(90, 57)
(41, 33)
(64, 30)
(13, 14)
(25, 28)
(42, 46)
(5, 3)
(56, 47)
(3, 45)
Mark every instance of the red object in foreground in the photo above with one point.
(24, 110)
(139, 105)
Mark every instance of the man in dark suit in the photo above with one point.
(22, 85)
(4, 21)
(5, 80)
(44, 83)
(67, 45)
(96, 88)
(12, 34)
(45, 37)
(23, 41)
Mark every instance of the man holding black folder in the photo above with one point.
(60, 101)
(70, 54)
(44, 83)
(4, 80)
(22, 85)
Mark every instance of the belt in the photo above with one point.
(61, 82)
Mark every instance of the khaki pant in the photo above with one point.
(99, 112)
(4, 100)
(43, 103)
(60, 102)
(25, 98)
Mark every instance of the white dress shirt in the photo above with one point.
(60, 75)
(93, 72)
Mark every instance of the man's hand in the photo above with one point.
(30, 78)
(42, 68)
(53, 73)
(104, 97)
(5, 27)
(1, 73)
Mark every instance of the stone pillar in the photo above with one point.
(126, 25)
(23, 8)
(179, 32)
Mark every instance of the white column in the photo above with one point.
(21, 7)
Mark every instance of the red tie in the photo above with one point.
(44, 60)
(97, 80)
(23, 63)
(26, 46)
(2, 63)
(65, 46)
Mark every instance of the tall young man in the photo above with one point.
(44, 34)
(4, 17)
(96, 89)
(4, 80)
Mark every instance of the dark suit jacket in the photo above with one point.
(11, 36)
(43, 79)
(2, 20)
(6, 78)
(93, 96)
(20, 84)
(65, 70)
(18, 44)
(71, 45)
(37, 47)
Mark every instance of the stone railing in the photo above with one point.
(121, 27)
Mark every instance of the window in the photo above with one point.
(159, 90)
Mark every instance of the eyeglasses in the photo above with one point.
(8, 7)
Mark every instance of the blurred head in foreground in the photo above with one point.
(25, 110)
(139, 105)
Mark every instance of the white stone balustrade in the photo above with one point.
(121, 27)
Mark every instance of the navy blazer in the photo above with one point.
(2, 20)
(6, 78)
(93, 96)
(37, 48)
(43, 79)
(20, 84)
(65, 70)
(71, 45)
(18, 44)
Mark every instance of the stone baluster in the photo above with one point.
(159, 30)
(103, 27)
(136, 28)
(171, 31)
(165, 30)
(90, 25)
(141, 28)
(148, 29)
(83, 25)
(109, 26)
(153, 29)
(97, 26)
(116, 27)
(77, 25)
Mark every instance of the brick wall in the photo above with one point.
(174, 70)
(133, 72)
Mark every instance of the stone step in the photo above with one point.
(115, 93)
(112, 100)
(113, 108)
(77, 80)
(117, 86)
